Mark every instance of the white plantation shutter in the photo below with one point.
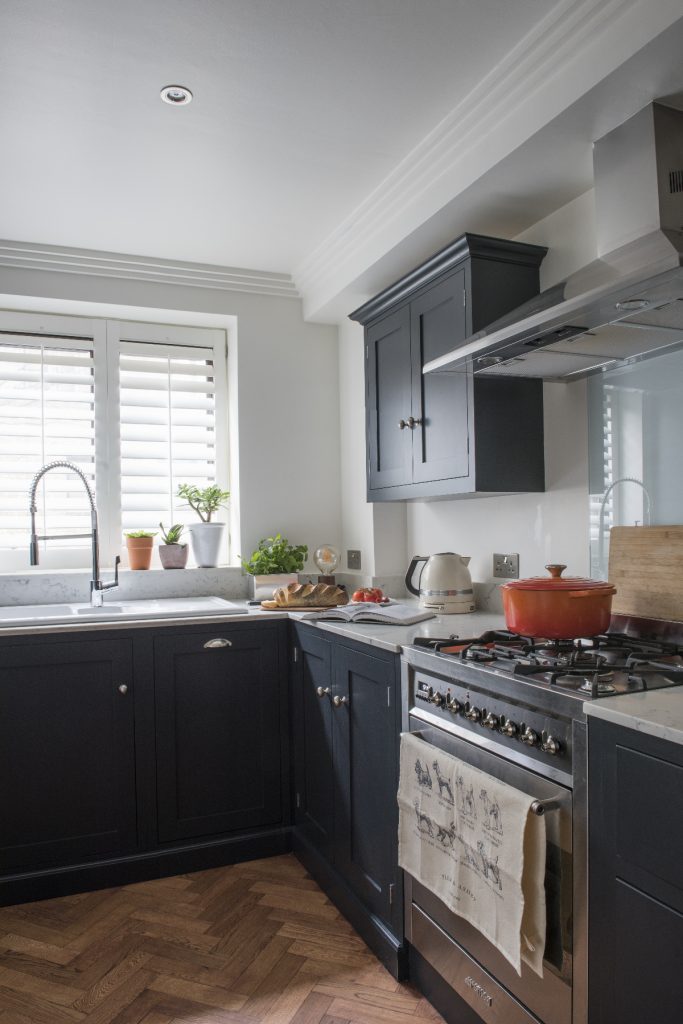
(47, 412)
(168, 433)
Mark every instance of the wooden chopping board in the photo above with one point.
(646, 567)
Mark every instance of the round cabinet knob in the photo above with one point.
(338, 701)
(474, 714)
(123, 688)
(549, 745)
(508, 728)
(414, 422)
(491, 721)
(529, 737)
(402, 424)
(322, 691)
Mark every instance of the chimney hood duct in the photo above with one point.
(626, 305)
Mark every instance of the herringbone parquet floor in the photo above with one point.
(254, 943)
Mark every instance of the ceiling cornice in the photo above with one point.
(63, 260)
(407, 194)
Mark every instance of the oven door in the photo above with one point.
(459, 952)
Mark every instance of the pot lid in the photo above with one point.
(556, 582)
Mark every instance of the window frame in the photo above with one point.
(104, 336)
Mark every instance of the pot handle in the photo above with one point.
(591, 593)
(556, 570)
(411, 572)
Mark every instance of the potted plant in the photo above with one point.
(172, 553)
(274, 563)
(205, 535)
(139, 544)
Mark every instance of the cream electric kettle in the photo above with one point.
(444, 583)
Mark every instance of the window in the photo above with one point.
(139, 408)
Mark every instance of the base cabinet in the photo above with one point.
(636, 882)
(67, 757)
(346, 735)
(218, 723)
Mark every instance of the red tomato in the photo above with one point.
(359, 595)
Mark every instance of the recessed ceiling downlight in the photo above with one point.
(176, 95)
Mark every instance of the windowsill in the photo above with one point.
(106, 570)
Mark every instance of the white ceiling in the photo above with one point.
(301, 109)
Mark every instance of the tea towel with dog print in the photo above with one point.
(475, 843)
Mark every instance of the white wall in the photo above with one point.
(552, 526)
(288, 400)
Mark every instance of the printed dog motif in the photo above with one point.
(466, 803)
(423, 776)
(444, 784)
(424, 822)
(492, 813)
(488, 866)
(446, 835)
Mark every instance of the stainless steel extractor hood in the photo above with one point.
(627, 304)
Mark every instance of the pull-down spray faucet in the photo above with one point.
(97, 587)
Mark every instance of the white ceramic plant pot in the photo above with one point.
(262, 587)
(206, 543)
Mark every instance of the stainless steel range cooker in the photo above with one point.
(513, 707)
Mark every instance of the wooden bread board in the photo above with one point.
(646, 567)
(271, 606)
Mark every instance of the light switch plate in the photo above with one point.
(506, 567)
(352, 559)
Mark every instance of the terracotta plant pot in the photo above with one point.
(557, 608)
(139, 551)
(173, 556)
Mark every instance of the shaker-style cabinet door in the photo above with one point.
(388, 401)
(441, 448)
(218, 722)
(366, 729)
(313, 753)
(67, 759)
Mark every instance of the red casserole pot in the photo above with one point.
(557, 608)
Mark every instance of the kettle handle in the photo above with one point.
(410, 573)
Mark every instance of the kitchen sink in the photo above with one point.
(156, 608)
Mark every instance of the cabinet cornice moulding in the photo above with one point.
(444, 163)
(89, 262)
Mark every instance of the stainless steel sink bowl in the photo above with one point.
(157, 608)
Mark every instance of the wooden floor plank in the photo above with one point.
(254, 943)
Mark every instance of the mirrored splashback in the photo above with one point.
(635, 438)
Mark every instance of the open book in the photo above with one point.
(392, 614)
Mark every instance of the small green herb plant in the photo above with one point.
(275, 555)
(204, 501)
(139, 533)
(172, 535)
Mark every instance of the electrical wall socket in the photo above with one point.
(352, 559)
(506, 567)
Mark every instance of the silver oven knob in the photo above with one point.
(549, 745)
(508, 728)
(439, 699)
(491, 721)
(473, 714)
(453, 705)
(529, 737)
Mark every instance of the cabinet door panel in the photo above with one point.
(67, 768)
(366, 814)
(313, 728)
(218, 733)
(442, 401)
(389, 400)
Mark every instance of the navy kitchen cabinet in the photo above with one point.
(67, 758)
(440, 435)
(219, 711)
(140, 752)
(636, 879)
(346, 721)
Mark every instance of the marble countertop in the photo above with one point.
(656, 712)
(386, 637)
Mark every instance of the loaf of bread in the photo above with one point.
(308, 595)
